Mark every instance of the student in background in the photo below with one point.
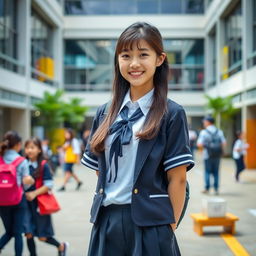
(239, 151)
(13, 215)
(72, 151)
(212, 141)
(192, 139)
(36, 224)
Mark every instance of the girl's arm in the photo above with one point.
(28, 180)
(33, 194)
(176, 190)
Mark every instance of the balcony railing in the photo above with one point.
(107, 87)
(251, 61)
(40, 76)
(11, 64)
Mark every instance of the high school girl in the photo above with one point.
(13, 216)
(36, 224)
(139, 147)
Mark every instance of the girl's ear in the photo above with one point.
(160, 59)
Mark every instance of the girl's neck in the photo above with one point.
(136, 92)
(32, 160)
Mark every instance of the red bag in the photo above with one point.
(47, 202)
(10, 192)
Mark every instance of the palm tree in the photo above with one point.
(221, 108)
(74, 112)
(50, 109)
(223, 111)
(54, 112)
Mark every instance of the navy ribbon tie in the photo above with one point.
(123, 136)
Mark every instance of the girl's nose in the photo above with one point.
(134, 63)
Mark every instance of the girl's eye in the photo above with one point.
(144, 55)
(125, 56)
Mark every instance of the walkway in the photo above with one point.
(72, 223)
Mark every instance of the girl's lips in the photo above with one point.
(136, 73)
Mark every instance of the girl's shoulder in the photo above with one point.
(102, 110)
(173, 106)
(174, 109)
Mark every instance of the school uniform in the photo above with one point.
(13, 216)
(36, 224)
(131, 209)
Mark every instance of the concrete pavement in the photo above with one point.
(72, 223)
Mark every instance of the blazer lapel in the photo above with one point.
(144, 148)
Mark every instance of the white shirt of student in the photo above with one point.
(241, 146)
(120, 191)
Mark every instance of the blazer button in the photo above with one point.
(136, 191)
(101, 191)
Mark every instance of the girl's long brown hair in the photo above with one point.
(131, 36)
(11, 139)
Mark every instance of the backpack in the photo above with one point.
(187, 193)
(214, 145)
(10, 191)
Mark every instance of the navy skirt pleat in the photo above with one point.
(115, 234)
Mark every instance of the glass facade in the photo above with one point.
(252, 60)
(41, 50)
(9, 36)
(212, 58)
(233, 42)
(186, 62)
(254, 25)
(119, 7)
(89, 64)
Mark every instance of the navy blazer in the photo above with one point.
(150, 203)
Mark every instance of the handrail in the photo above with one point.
(43, 75)
(12, 60)
(252, 55)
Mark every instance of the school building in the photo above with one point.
(69, 44)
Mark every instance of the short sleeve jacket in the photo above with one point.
(169, 149)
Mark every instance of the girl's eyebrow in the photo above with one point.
(140, 49)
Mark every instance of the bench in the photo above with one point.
(200, 220)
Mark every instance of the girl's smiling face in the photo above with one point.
(32, 151)
(138, 65)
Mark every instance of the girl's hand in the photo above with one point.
(30, 196)
(173, 226)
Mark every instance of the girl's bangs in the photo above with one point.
(127, 42)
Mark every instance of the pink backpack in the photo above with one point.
(10, 191)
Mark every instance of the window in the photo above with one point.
(254, 25)
(88, 64)
(41, 50)
(194, 6)
(9, 36)
(252, 59)
(233, 42)
(186, 59)
(212, 57)
(117, 7)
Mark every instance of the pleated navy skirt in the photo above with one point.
(36, 224)
(115, 234)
